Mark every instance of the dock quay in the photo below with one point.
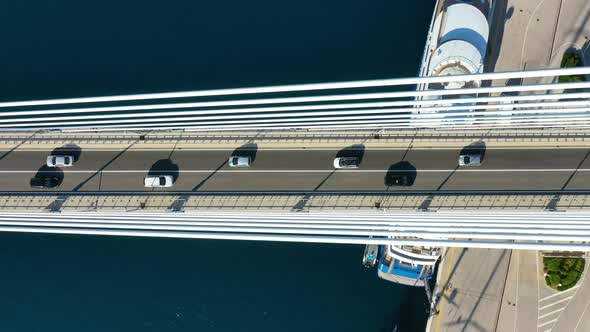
(504, 290)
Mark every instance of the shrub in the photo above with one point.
(562, 273)
(569, 60)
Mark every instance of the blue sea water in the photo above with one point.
(68, 48)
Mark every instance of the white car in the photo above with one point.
(237, 161)
(158, 181)
(346, 162)
(60, 161)
(469, 160)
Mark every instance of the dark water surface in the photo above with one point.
(73, 48)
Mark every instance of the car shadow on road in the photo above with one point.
(478, 148)
(353, 151)
(247, 150)
(402, 173)
(46, 171)
(68, 150)
(164, 167)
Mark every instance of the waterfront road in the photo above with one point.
(306, 170)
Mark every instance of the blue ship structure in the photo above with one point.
(407, 265)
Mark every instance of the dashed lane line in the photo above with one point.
(317, 171)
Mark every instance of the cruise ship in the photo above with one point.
(456, 44)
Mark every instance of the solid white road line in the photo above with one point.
(65, 170)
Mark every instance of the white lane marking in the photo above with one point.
(538, 285)
(551, 313)
(554, 303)
(560, 293)
(319, 170)
(582, 280)
(581, 316)
(546, 323)
(517, 281)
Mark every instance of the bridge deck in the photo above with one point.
(111, 167)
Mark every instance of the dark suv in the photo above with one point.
(404, 180)
(45, 182)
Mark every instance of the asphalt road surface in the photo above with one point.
(305, 170)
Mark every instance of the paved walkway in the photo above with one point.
(529, 305)
(471, 282)
(530, 34)
(109, 202)
(573, 30)
(522, 34)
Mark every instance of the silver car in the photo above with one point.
(237, 161)
(469, 160)
(346, 162)
(158, 181)
(60, 161)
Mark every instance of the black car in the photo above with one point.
(45, 182)
(404, 180)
